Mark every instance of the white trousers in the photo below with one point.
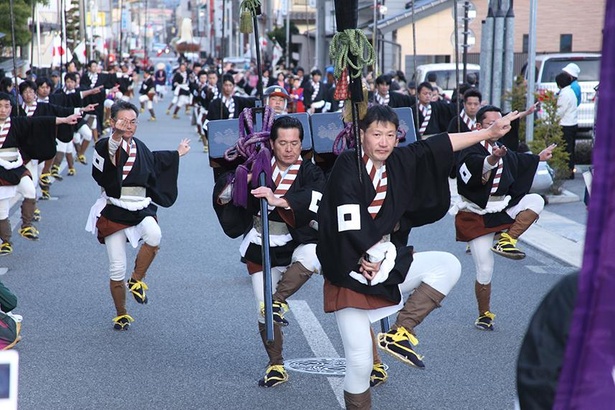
(26, 187)
(440, 270)
(116, 246)
(145, 99)
(5, 207)
(305, 254)
(481, 246)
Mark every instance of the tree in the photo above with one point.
(279, 34)
(73, 33)
(22, 10)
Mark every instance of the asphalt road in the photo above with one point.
(196, 346)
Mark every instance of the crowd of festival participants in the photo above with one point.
(357, 237)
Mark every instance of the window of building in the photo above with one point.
(565, 43)
(526, 43)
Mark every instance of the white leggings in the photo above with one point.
(5, 207)
(305, 254)
(145, 99)
(440, 270)
(116, 246)
(258, 280)
(26, 187)
(84, 133)
(481, 246)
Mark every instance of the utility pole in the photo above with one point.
(288, 42)
(145, 59)
(375, 38)
(121, 7)
(321, 36)
(531, 70)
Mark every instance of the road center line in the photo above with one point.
(318, 341)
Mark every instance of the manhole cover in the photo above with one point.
(319, 365)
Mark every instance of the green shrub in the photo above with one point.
(547, 131)
(518, 101)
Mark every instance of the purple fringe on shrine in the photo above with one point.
(587, 377)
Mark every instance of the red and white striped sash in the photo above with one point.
(379, 181)
(316, 88)
(230, 106)
(468, 121)
(383, 100)
(426, 110)
(498, 171)
(131, 150)
(29, 109)
(284, 179)
(4, 130)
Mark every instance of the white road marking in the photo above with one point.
(536, 269)
(318, 341)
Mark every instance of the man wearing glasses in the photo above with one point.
(132, 179)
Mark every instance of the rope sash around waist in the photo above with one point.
(275, 227)
(132, 198)
(9, 154)
(138, 191)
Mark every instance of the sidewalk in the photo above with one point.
(560, 230)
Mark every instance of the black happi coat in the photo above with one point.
(308, 90)
(64, 131)
(73, 100)
(417, 187)
(178, 80)
(516, 181)
(35, 137)
(396, 100)
(147, 85)
(108, 81)
(236, 221)
(441, 115)
(155, 171)
(218, 111)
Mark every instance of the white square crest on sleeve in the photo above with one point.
(465, 173)
(315, 203)
(349, 217)
(98, 161)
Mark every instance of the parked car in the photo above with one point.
(446, 76)
(550, 65)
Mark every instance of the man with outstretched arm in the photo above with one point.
(132, 179)
(365, 274)
(32, 138)
(494, 183)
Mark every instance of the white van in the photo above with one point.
(550, 65)
(446, 77)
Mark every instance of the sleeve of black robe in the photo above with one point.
(423, 182)
(544, 346)
(36, 136)
(104, 172)
(163, 188)
(234, 220)
(300, 200)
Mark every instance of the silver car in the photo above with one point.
(550, 65)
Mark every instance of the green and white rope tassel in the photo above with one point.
(348, 43)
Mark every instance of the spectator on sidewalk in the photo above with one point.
(573, 71)
(568, 114)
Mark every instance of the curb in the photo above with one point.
(564, 198)
(557, 236)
